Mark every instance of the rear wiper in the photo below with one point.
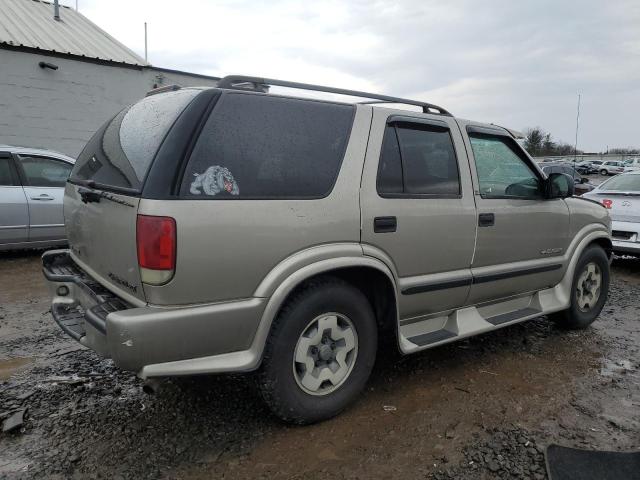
(102, 186)
(84, 183)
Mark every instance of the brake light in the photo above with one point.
(607, 203)
(156, 243)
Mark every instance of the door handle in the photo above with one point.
(385, 224)
(43, 198)
(486, 220)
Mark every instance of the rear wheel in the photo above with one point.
(589, 290)
(320, 352)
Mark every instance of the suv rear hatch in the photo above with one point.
(102, 196)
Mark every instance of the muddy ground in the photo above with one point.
(483, 408)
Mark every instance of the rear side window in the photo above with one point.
(418, 159)
(7, 177)
(45, 172)
(266, 147)
(120, 153)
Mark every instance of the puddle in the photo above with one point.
(11, 366)
(610, 367)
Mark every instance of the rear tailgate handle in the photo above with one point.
(385, 224)
(486, 220)
(88, 196)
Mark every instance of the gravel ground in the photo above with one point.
(478, 409)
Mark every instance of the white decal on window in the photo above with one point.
(213, 181)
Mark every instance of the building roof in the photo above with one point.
(30, 24)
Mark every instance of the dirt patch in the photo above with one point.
(482, 408)
(13, 366)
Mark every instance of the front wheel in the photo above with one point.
(320, 352)
(589, 292)
(603, 172)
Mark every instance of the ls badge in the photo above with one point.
(551, 251)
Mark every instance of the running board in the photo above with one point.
(431, 337)
(511, 316)
(428, 331)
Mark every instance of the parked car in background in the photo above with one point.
(31, 192)
(236, 230)
(611, 167)
(596, 164)
(582, 184)
(621, 196)
(632, 164)
(585, 167)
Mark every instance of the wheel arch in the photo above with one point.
(590, 235)
(372, 277)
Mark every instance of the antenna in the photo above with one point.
(145, 41)
(575, 148)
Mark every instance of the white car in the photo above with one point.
(632, 164)
(621, 196)
(611, 167)
(31, 191)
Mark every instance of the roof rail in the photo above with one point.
(166, 88)
(241, 82)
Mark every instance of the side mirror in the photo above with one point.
(560, 185)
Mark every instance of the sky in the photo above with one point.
(514, 63)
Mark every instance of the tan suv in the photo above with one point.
(231, 230)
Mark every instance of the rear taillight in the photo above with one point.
(607, 203)
(156, 240)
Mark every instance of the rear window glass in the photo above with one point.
(623, 183)
(255, 146)
(120, 153)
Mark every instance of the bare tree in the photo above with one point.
(540, 143)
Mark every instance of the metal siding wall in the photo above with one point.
(59, 110)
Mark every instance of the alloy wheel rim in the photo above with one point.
(325, 353)
(589, 287)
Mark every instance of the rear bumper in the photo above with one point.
(626, 237)
(139, 338)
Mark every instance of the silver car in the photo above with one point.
(231, 230)
(621, 196)
(611, 167)
(31, 193)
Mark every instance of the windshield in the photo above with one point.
(120, 153)
(622, 183)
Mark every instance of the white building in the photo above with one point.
(61, 79)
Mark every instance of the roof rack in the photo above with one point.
(241, 82)
(166, 88)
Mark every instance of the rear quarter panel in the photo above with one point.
(226, 247)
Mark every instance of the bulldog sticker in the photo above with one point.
(214, 180)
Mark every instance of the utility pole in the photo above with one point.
(575, 147)
(145, 42)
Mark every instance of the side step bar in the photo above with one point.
(431, 337)
(511, 316)
(424, 332)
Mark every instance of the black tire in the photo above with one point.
(277, 383)
(573, 317)
(604, 172)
